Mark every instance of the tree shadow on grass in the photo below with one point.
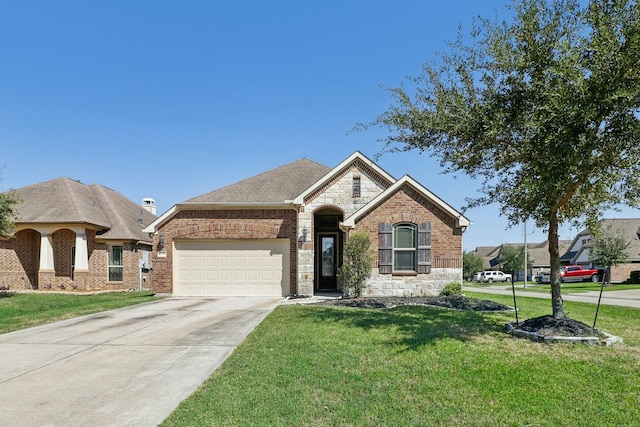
(414, 326)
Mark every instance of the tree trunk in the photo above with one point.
(554, 276)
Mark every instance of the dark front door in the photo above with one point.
(327, 261)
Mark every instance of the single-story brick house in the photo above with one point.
(282, 233)
(69, 235)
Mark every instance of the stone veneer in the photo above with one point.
(336, 194)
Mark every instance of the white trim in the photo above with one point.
(355, 156)
(461, 220)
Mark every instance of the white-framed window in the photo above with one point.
(404, 247)
(115, 264)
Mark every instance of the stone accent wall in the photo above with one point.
(222, 225)
(336, 194)
(406, 205)
(389, 285)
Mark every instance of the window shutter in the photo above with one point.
(385, 248)
(424, 248)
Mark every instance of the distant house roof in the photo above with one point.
(538, 253)
(275, 186)
(629, 227)
(65, 201)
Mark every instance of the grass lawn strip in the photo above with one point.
(412, 365)
(19, 311)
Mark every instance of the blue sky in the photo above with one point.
(171, 100)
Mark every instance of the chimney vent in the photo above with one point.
(149, 204)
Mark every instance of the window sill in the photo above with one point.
(404, 273)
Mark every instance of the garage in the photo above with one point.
(231, 268)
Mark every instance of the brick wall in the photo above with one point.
(621, 273)
(20, 262)
(406, 205)
(222, 225)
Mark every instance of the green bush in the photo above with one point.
(357, 264)
(451, 289)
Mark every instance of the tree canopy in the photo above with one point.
(609, 248)
(471, 264)
(543, 109)
(512, 259)
(8, 200)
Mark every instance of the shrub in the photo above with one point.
(356, 266)
(451, 289)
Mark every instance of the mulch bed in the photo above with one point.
(453, 302)
(544, 325)
(550, 326)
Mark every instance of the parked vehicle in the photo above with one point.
(495, 276)
(477, 277)
(543, 277)
(575, 273)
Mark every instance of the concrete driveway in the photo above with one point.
(125, 367)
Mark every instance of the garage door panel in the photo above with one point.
(232, 268)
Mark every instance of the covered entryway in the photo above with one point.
(328, 248)
(231, 268)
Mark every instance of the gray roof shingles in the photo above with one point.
(63, 200)
(275, 186)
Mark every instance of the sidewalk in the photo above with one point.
(627, 298)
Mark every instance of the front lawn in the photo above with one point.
(567, 288)
(19, 311)
(413, 365)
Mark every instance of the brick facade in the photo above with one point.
(341, 196)
(20, 262)
(222, 225)
(622, 272)
(406, 205)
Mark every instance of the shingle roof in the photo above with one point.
(64, 200)
(538, 253)
(274, 186)
(629, 227)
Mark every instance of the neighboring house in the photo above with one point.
(579, 250)
(282, 233)
(69, 235)
(537, 253)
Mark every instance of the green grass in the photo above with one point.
(332, 366)
(19, 311)
(566, 287)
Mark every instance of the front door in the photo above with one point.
(327, 261)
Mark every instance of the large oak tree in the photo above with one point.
(543, 109)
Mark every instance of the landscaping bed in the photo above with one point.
(542, 325)
(453, 302)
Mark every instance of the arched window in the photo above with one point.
(404, 247)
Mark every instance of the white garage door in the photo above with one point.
(231, 268)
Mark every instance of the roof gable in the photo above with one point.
(358, 160)
(461, 220)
